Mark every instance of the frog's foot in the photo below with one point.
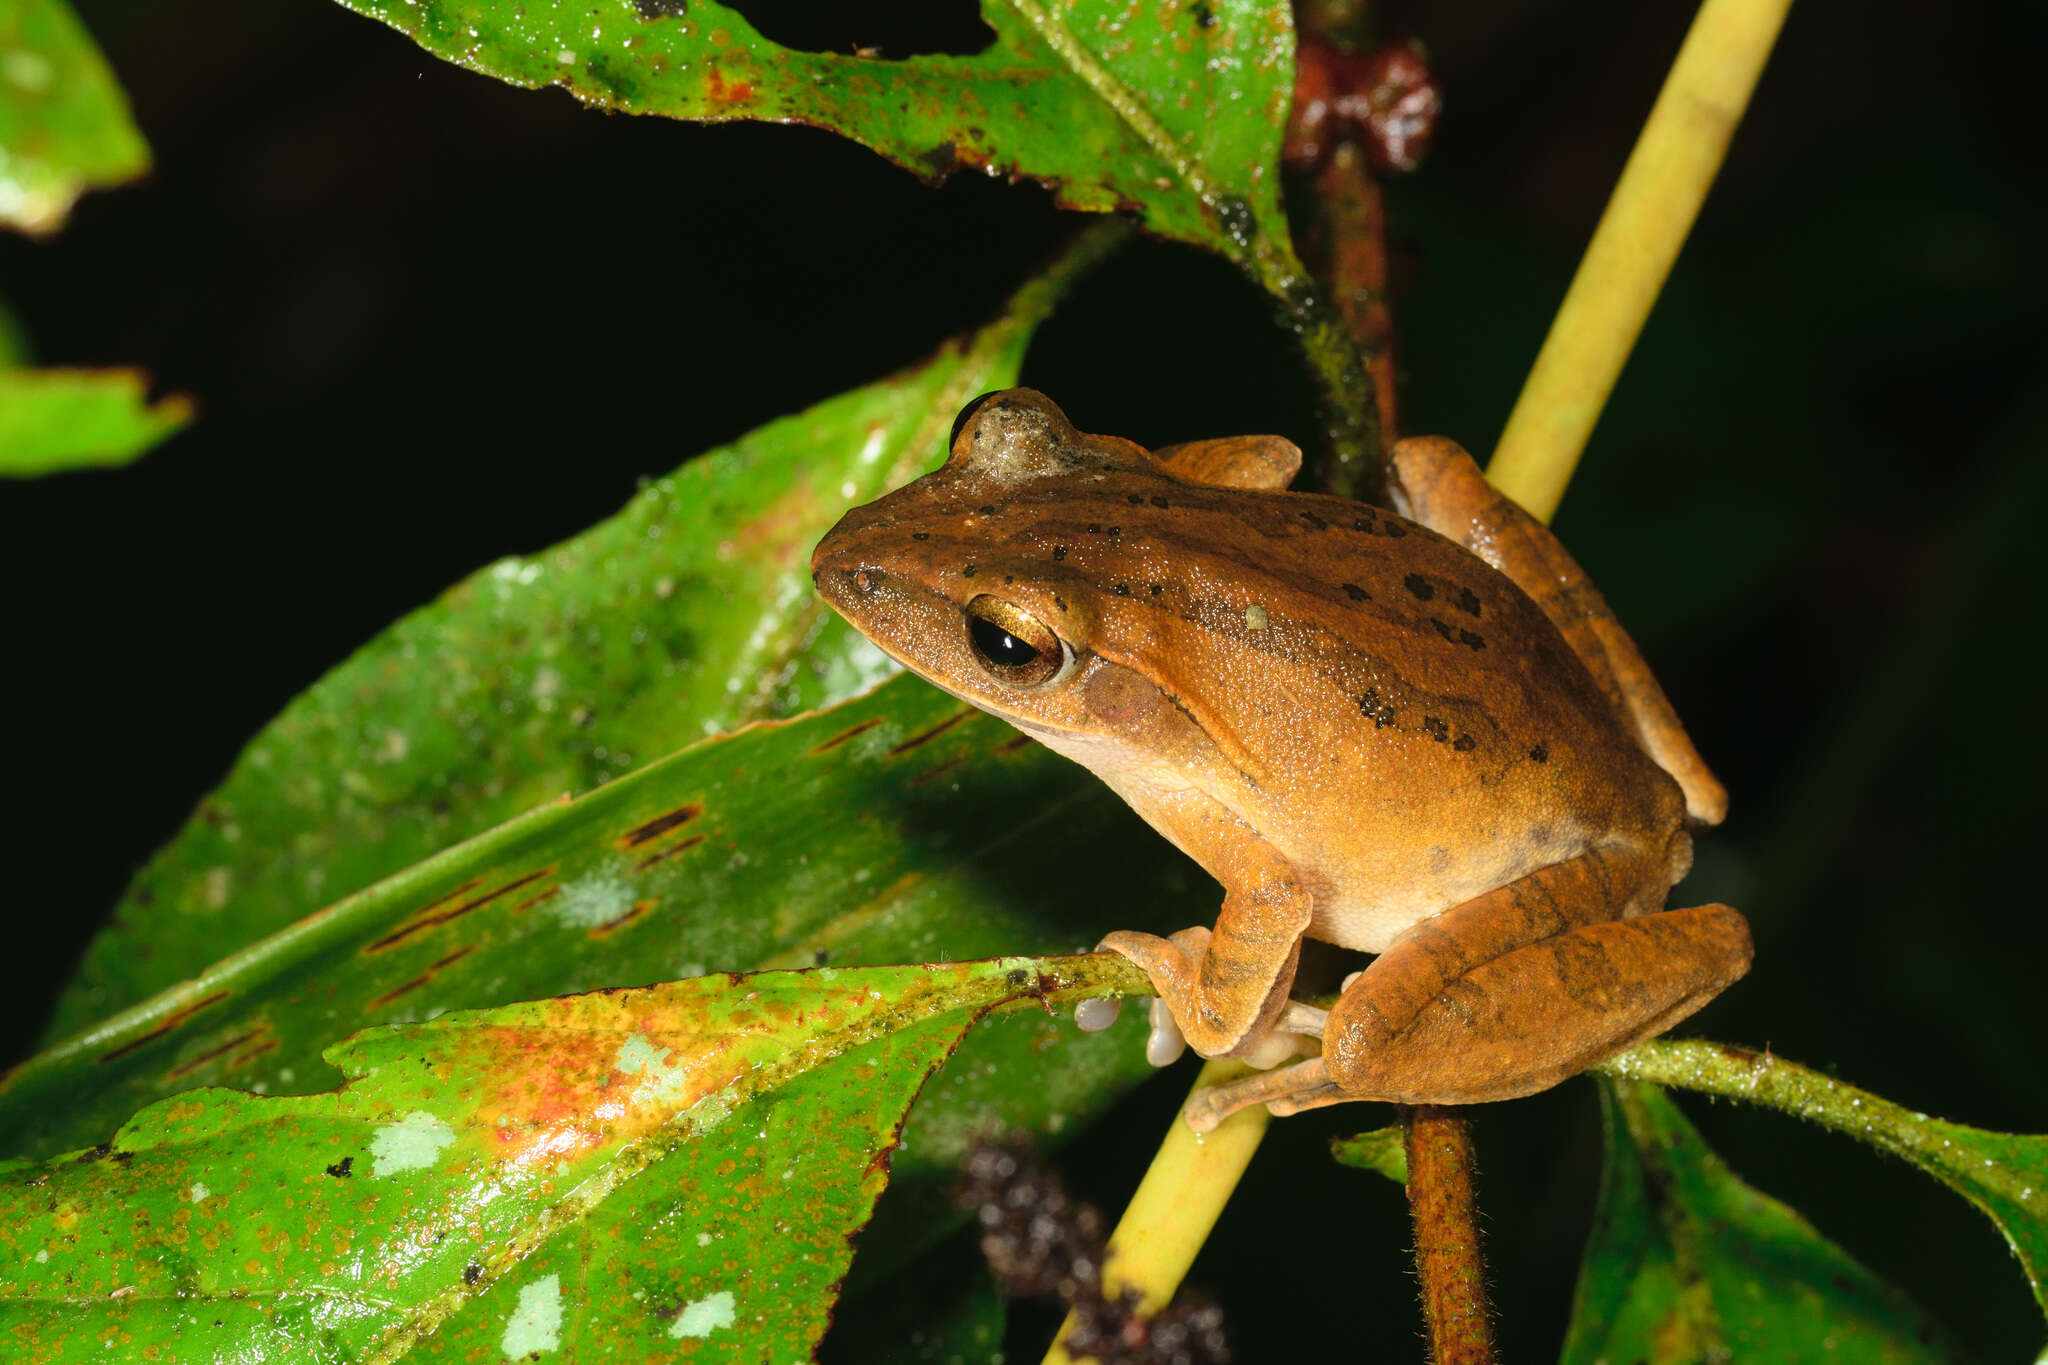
(1191, 1011)
(1284, 1090)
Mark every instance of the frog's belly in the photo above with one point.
(1367, 913)
(1365, 903)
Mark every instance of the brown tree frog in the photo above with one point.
(1419, 735)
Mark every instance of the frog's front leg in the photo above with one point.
(1227, 986)
(1508, 994)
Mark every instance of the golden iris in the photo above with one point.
(1011, 644)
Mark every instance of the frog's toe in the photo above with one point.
(1158, 958)
(1093, 1016)
(1165, 1043)
(1271, 1050)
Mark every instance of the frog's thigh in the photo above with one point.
(1226, 987)
(1481, 1004)
(1436, 483)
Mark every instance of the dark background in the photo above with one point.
(432, 320)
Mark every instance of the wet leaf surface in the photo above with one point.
(623, 1171)
(688, 613)
(1173, 111)
(64, 125)
(52, 420)
(1687, 1263)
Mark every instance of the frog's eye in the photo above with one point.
(1011, 644)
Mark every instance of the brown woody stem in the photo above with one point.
(1442, 1207)
(1349, 249)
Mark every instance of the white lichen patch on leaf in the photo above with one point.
(593, 900)
(705, 1316)
(199, 1192)
(666, 1081)
(414, 1143)
(536, 1320)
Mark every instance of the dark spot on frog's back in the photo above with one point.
(1356, 593)
(1369, 704)
(1464, 744)
(1059, 552)
(1541, 753)
(1160, 503)
(1315, 522)
(920, 535)
(968, 570)
(1123, 590)
(1468, 601)
(1421, 589)
(1435, 728)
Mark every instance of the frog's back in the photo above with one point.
(1397, 715)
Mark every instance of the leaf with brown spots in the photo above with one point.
(1173, 111)
(674, 1168)
(688, 613)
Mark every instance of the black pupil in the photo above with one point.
(998, 646)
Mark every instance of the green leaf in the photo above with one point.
(1384, 1150)
(2003, 1174)
(1174, 111)
(898, 827)
(688, 613)
(1686, 1263)
(53, 420)
(64, 126)
(603, 1174)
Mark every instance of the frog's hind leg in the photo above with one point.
(1432, 480)
(1517, 989)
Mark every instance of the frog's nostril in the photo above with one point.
(864, 580)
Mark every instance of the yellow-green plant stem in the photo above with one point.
(1660, 193)
(1179, 1200)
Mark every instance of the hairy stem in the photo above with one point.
(1444, 1210)
(1354, 444)
(1349, 249)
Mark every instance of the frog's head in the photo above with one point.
(965, 575)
